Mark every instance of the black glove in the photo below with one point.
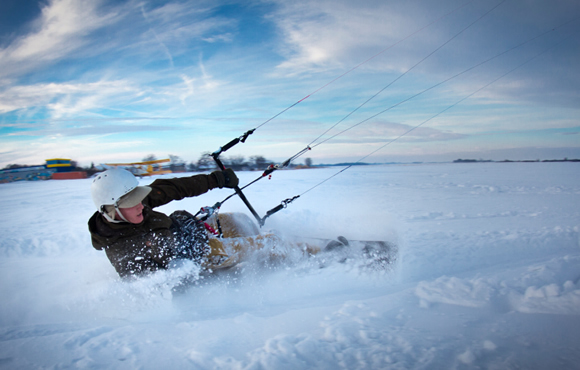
(226, 178)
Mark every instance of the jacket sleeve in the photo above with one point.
(166, 190)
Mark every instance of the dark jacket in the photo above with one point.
(150, 245)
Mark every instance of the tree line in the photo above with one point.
(206, 163)
(177, 164)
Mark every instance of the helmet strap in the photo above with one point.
(119, 212)
(105, 214)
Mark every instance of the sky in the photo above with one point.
(375, 81)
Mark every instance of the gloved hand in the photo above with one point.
(226, 178)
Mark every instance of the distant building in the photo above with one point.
(26, 173)
(55, 168)
(64, 169)
(59, 164)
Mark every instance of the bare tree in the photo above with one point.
(258, 162)
(177, 164)
(205, 162)
(237, 163)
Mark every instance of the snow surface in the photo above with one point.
(488, 276)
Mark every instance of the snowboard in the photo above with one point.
(369, 254)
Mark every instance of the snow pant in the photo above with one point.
(241, 238)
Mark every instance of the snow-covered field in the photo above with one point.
(488, 276)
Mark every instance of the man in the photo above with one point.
(138, 239)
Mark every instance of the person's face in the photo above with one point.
(134, 214)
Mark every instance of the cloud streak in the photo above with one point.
(59, 32)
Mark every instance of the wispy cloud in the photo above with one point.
(341, 34)
(326, 34)
(65, 99)
(59, 32)
(385, 131)
(83, 129)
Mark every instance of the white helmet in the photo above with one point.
(112, 188)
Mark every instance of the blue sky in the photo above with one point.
(114, 81)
